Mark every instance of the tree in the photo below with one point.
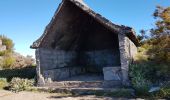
(142, 37)
(159, 37)
(8, 42)
(160, 34)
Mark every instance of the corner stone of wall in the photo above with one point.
(127, 53)
(40, 78)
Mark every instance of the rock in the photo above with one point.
(112, 73)
(153, 89)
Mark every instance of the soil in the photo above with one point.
(7, 95)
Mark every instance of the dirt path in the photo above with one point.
(7, 95)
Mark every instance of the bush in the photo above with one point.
(164, 91)
(3, 83)
(144, 75)
(19, 84)
(140, 80)
(8, 42)
(21, 61)
(8, 62)
(2, 53)
(27, 72)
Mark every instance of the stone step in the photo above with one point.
(84, 84)
(90, 91)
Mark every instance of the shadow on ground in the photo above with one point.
(27, 72)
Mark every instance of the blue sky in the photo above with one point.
(24, 20)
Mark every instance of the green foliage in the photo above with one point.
(2, 53)
(18, 84)
(8, 42)
(164, 91)
(6, 53)
(3, 83)
(140, 75)
(159, 40)
(27, 72)
(153, 60)
(142, 37)
(8, 62)
(144, 74)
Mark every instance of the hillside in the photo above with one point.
(11, 59)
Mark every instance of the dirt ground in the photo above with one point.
(7, 95)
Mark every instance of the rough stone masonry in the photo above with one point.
(79, 41)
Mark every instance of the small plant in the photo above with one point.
(7, 42)
(18, 84)
(139, 78)
(8, 62)
(26, 72)
(2, 53)
(164, 91)
(3, 83)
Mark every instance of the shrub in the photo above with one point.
(22, 61)
(27, 72)
(19, 84)
(29, 61)
(2, 53)
(3, 83)
(8, 62)
(8, 42)
(164, 91)
(140, 80)
(146, 74)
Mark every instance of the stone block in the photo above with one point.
(112, 73)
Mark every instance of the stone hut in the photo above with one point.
(80, 42)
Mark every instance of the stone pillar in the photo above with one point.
(40, 78)
(124, 59)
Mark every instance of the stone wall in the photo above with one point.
(62, 73)
(102, 58)
(52, 59)
(128, 50)
(58, 64)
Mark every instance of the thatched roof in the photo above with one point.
(120, 29)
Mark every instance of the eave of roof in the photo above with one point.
(121, 29)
